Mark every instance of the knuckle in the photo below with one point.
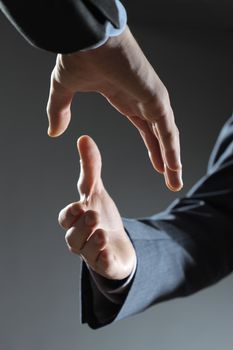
(171, 135)
(92, 217)
(72, 250)
(100, 237)
(157, 106)
(67, 215)
(70, 237)
(164, 96)
(163, 103)
(161, 111)
(76, 209)
(171, 152)
(96, 216)
(61, 218)
(171, 138)
(168, 136)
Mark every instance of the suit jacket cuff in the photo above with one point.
(113, 290)
(66, 26)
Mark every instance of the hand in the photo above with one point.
(94, 227)
(121, 73)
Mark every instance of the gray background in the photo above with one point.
(191, 48)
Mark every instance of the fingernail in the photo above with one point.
(178, 183)
(178, 187)
(174, 183)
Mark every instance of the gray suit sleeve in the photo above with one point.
(63, 26)
(180, 251)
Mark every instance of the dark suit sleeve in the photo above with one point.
(180, 251)
(62, 26)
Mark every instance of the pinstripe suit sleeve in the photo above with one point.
(180, 251)
(66, 26)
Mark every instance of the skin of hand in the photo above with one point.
(94, 227)
(121, 73)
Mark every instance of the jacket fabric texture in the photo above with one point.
(180, 251)
(86, 20)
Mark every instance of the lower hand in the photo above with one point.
(94, 227)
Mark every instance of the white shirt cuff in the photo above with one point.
(110, 29)
(104, 285)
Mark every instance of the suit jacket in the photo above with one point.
(62, 26)
(184, 249)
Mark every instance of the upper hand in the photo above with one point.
(122, 74)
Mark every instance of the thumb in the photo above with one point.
(58, 107)
(90, 167)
